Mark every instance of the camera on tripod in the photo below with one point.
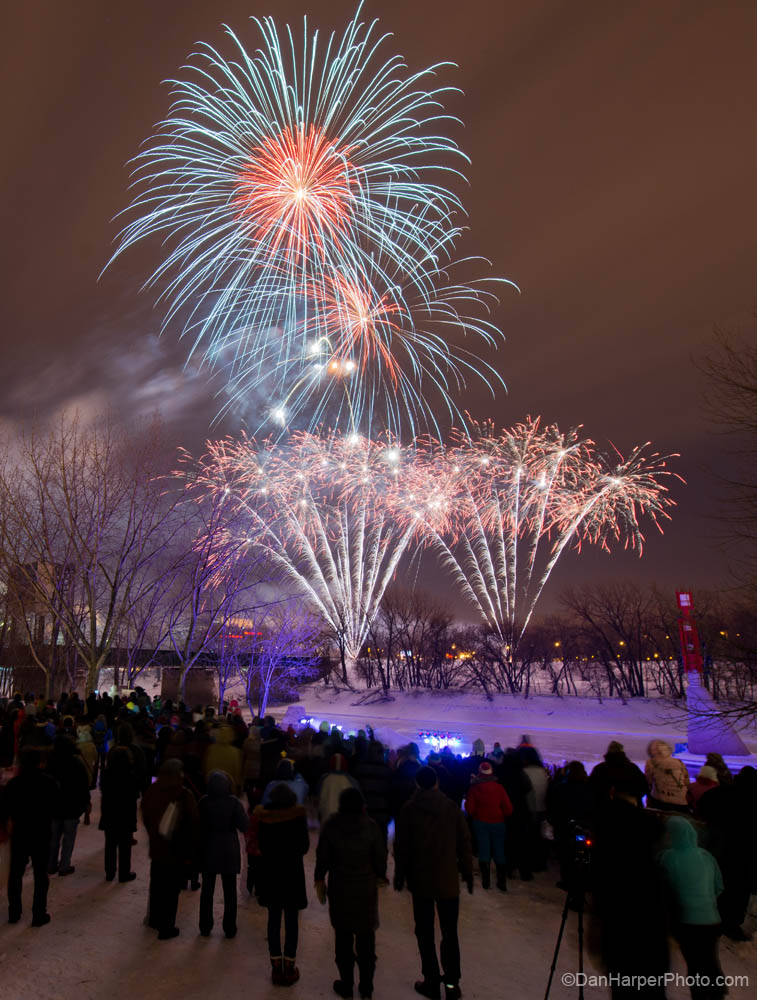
(582, 844)
(578, 880)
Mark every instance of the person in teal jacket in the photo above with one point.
(695, 883)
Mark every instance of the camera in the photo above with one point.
(582, 844)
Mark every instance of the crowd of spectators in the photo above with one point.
(668, 856)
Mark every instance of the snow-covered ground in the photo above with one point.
(562, 728)
(96, 947)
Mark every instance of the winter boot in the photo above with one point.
(277, 971)
(291, 972)
(485, 868)
(502, 878)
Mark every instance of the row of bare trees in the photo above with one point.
(107, 561)
(614, 640)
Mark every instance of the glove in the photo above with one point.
(399, 884)
(469, 883)
(320, 891)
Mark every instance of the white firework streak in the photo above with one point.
(323, 508)
(523, 497)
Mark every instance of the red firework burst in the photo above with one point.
(297, 190)
(358, 323)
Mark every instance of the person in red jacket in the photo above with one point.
(488, 806)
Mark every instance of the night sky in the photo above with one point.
(614, 158)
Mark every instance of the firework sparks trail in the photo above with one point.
(323, 507)
(366, 340)
(291, 184)
(335, 513)
(521, 497)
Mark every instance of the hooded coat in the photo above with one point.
(181, 847)
(432, 846)
(332, 785)
(286, 775)
(87, 749)
(692, 874)
(668, 778)
(222, 819)
(351, 851)
(224, 756)
(487, 801)
(282, 837)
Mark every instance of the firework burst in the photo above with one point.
(301, 194)
(335, 513)
(365, 350)
(522, 496)
(324, 509)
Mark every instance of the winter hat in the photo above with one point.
(324, 727)
(426, 778)
(616, 747)
(485, 770)
(282, 797)
(478, 747)
(708, 772)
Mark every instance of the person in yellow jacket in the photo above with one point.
(221, 755)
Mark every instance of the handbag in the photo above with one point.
(168, 820)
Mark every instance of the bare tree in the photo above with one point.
(409, 642)
(219, 578)
(285, 653)
(87, 517)
(615, 616)
(731, 397)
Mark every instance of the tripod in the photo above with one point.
(575, 899)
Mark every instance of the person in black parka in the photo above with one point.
(352, 852)
(374, 776)
(66, 765)
(516, 783)
(432, 851)
(730, 812)
(222, 819)
(403, 778)
(570, 804)
(614, 769)
(629, 896)
(119, 789)
(173, 844)
(282, 837)
(28, 804)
